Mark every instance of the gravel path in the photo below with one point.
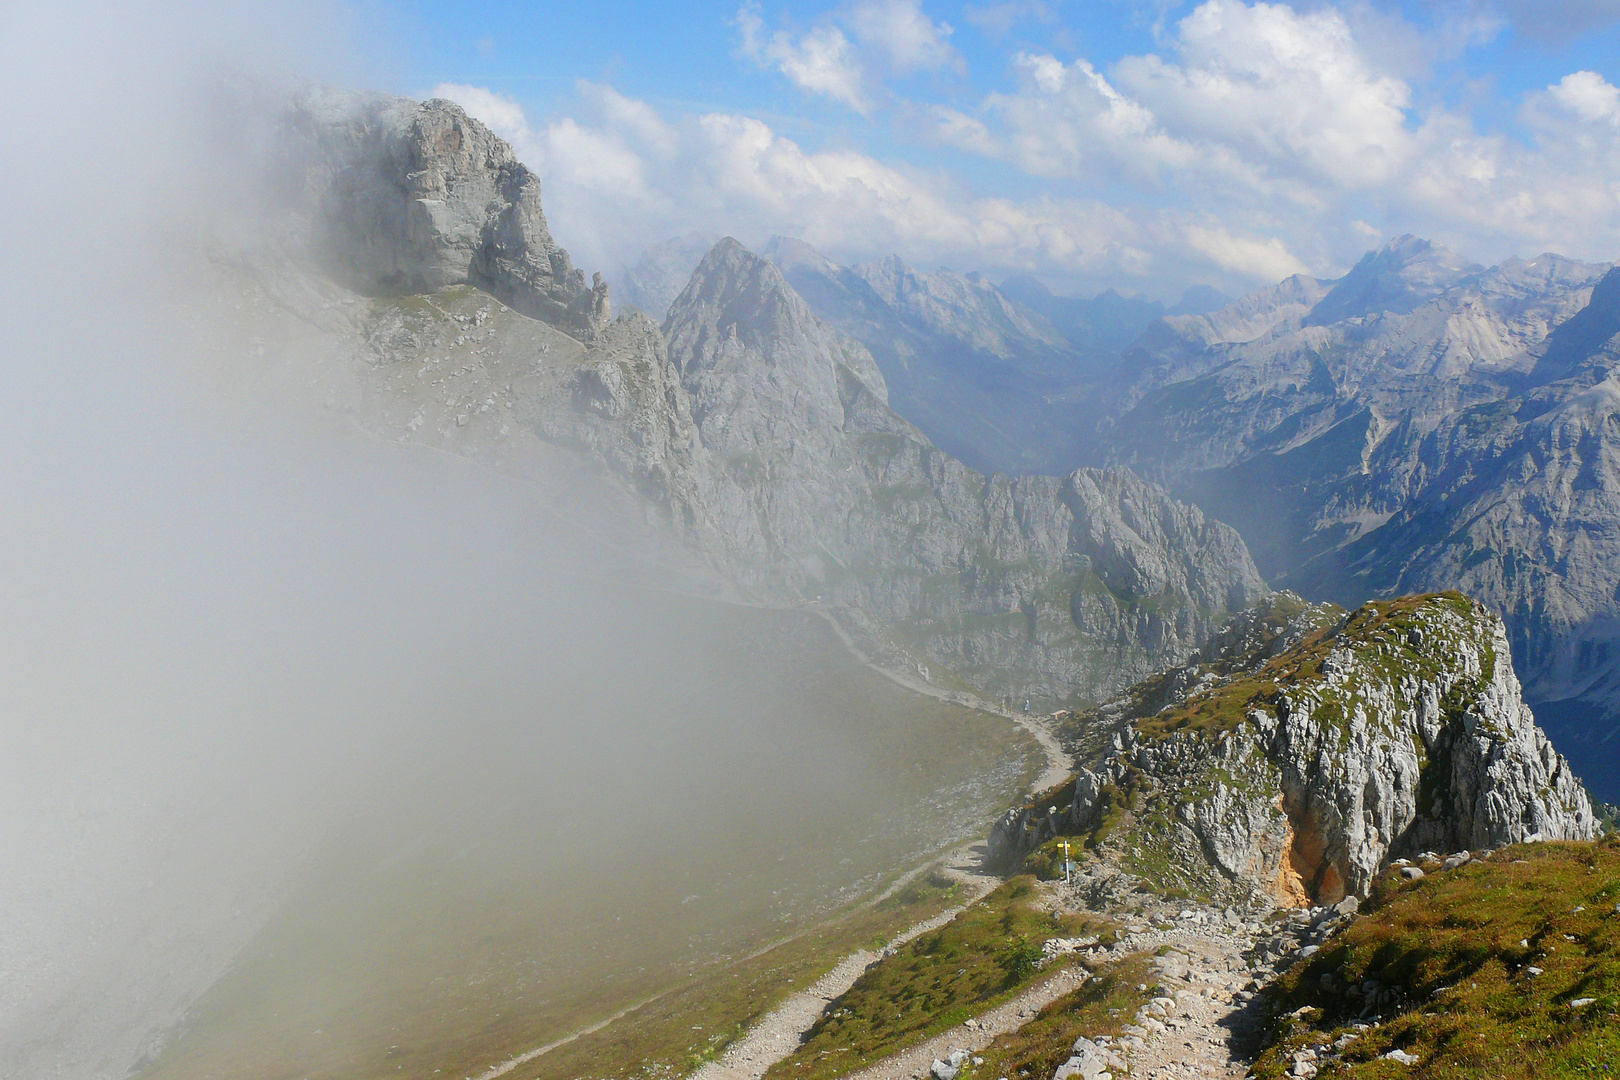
(1201, 1026)
(778, 1033)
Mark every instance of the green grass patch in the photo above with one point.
(982, 957)
(1103, 1005)
(1452, 956)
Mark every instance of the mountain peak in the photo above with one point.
(741, 293)
(1398, 277)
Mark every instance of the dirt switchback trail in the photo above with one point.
(778, 1033)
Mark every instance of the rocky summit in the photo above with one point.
(755, 434)
(1306, 747)
(409, 197)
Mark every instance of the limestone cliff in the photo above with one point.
(416, 196)
(1306, 747)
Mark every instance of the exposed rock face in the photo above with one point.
(986, 378)
(416, 196)
(1425, 424)
(1031, 586)
(756, 432)
(1306, 747)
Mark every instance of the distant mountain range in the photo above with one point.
(1006, 378)
(1422, 423)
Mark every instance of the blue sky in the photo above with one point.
(1141, 145)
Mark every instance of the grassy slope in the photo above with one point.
(981, 958)
(1453, 951)
(1102, 1006)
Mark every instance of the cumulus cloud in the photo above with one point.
(909, 39)
(618, 176)
(955, 128)
(1297, 129)
(1589, 96)
(1070, 122)
(1291, 89)
(885, 38)
(1263, 94)
(819, 60)
(1261, 141)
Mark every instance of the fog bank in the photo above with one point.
(256, 662)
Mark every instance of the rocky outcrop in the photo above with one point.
(416, 196)
(1307, 747)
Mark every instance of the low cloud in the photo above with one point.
(1266, 259)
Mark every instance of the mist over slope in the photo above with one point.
(258, 602)
(759, 438)
(243, 633)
